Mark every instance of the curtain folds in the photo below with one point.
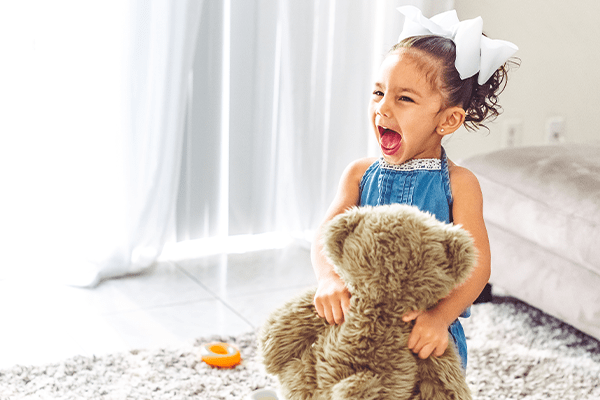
(299, 77)
(92, 135)
(164, 35)
(126, 124)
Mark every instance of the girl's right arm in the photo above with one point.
(332, 299)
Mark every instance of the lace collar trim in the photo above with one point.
(431, 164)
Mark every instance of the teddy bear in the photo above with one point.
(393, 259)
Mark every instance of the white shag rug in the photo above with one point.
(515, 352)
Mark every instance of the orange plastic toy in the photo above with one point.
(220, 355)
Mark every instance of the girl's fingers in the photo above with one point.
(426, 351)
(319, 307)
(413, 340)
(417, 344)
(411, 315)
(345, 304)
(333, 315)
(426, 347)
(328, 315)
(332, 304)
(338, 314)
(439, 351)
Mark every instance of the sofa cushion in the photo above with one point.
(553, 284)
(549, 195)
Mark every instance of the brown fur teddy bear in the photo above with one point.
(393, 259)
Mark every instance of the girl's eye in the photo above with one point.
(378, 93)
(407, 99)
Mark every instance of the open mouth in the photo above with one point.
(390, 140)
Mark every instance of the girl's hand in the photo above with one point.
(332, 299)
(429, 335)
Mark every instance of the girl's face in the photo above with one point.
(405, 110)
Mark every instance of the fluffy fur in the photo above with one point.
(393, 259)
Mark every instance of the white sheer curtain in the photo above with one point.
(267, 98)
(93, 98)
(279, 108)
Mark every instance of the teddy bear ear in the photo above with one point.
(338, 229)
(461, 252)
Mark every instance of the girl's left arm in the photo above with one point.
(430, 333)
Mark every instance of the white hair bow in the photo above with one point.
(474, 52)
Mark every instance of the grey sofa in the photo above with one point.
(542, 210)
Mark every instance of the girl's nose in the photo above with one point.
(383, 108)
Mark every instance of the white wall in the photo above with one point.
(559, 48)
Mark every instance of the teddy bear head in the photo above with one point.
(397, 251)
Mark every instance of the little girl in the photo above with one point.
(442, 74)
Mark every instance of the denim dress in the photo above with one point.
(424, 183)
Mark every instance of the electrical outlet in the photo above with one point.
(512, 133)
(555, 130)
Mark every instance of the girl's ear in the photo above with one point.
(452, 119)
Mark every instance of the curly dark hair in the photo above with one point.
(480, 102)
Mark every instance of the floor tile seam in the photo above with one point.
(156, 307)
(91, 311)
(279, 289)
(215, 296)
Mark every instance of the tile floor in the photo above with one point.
(170, 305)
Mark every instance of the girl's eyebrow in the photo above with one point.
(409, 90)
(399, 89)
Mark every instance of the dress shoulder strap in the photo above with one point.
(446, 181)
